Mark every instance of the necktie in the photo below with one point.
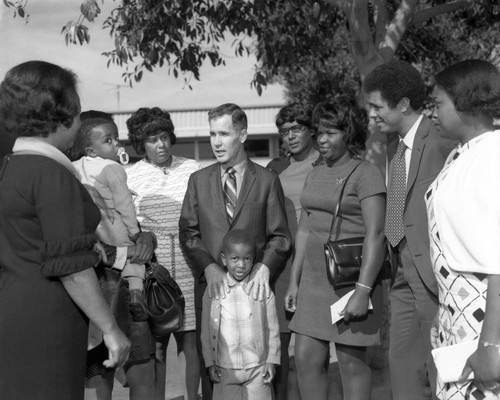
(394, 229)
(230, 192)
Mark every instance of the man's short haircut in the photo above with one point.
(83, 137)
(295, 112)
(473, 86)
(395, 80)
(238, 116)
(237, 236)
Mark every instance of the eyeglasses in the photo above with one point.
(294, 129)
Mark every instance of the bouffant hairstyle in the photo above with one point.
(344, 114)
(294, 112)
(83, 137)
(237, 236)
(474, 87)
(36, 97)
(146, 122)
(395, 80)
(238, 116)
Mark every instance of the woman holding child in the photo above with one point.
(341, 134)
(159, 183)
(48, 287)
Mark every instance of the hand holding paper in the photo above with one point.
(337, 308)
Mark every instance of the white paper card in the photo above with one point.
(450, 360)
(337, 308)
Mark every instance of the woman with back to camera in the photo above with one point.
(48, 287)
(463, 205)
(159, 182)
(341, 135)
(294, 123)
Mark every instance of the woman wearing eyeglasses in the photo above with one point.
(294, 123)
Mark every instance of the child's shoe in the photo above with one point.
(137, 306)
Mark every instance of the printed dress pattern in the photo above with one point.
(462, 302)
(158, 195)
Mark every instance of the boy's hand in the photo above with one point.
(214, 372)
(268, 372)
(258, 284)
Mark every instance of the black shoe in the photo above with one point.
(137, 306)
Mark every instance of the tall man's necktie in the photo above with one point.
(230, 192)
(394, 229)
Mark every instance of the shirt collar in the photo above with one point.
(410, 136)
(233, 282)
(239, 168)
(471, 143)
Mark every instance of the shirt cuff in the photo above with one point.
(121, 258)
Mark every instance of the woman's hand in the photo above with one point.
(357, 305)
(435, 332)
(485, 363)
(144, 248)
(118, 349)
(99, 249)
(291, 297)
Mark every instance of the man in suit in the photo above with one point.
(395, 94)
(233, 193)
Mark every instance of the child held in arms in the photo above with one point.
(240, 335)
(96, 150)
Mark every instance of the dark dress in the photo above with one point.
(47, 224)
(316, 295)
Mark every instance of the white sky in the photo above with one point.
(41, 39)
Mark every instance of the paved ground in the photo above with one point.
(174, 390)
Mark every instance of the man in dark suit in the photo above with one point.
(233, 193)
(395, 94)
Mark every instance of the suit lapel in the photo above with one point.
(248, 181)
(215, 189)
(417, 151)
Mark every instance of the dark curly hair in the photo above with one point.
(295, 112)
(474, 87)
(238, 116)
(36, 97)
(344, 114)
(146, 122)
(395, 80)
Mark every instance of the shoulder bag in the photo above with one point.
(343, 257)
(164, 300)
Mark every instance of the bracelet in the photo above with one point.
(489, 344)
(363, 286)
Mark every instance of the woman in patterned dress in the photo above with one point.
(464, 222)
(159, 182)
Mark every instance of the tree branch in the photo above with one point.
(431, 12)
(380, 18)
(396, 29)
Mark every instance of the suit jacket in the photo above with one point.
(428, 155)
(259, 210)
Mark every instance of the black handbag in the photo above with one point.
(343, 257)
(164, 300)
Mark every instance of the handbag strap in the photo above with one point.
(337, 207)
